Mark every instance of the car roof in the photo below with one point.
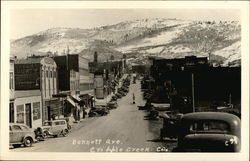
(222, 116)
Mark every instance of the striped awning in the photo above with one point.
(76, 98)
(73, 103)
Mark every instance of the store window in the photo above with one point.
(20, 113)
(36, 111)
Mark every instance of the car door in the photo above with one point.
(53, 128)
(26, 130)
(60, 126)
(17, 134)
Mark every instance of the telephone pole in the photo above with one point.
(193, 92)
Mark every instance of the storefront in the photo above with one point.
(53, 108)
(87, 99)
(28, 110)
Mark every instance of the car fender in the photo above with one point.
(29, 136)
(200, 141)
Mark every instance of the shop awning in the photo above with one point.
(76, 98)
(84, 96)
(72, 102)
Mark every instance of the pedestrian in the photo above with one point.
(133, 98)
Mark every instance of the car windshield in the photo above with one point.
(209, 126)
(47, 123)
(16, 128)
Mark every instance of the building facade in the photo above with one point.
(193, 78)
(36, 79)
(75, 82)
(28, 108)
(106, 74)
(11, 91)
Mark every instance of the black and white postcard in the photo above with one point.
(125, 80)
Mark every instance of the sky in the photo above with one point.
(24, 22)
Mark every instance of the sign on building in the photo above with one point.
(27, 76)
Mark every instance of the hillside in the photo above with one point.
(168, 38)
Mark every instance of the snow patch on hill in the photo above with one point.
(232, 52)
(168, 38)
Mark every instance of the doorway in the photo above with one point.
(28, 115)
(11, 117)
(49, 112)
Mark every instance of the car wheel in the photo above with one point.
(65, 132)
(46, 134)
(27, 142)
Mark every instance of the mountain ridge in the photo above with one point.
(167, 38)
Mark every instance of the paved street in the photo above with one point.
(123, 130)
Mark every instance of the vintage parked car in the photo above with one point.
(209, 132)
(55, 128)
(98, 111)
(170, 124)
(112, 104)
(125, 89)
(118, 95)
(20, 134)
(122, 93)
(114, 98)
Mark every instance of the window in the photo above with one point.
(209, 126)
(47, 123)
(57, 123)
(20, 113)
(11, 81)
(16, 128)
(47, 74)
(51, 74)
(36, 111)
